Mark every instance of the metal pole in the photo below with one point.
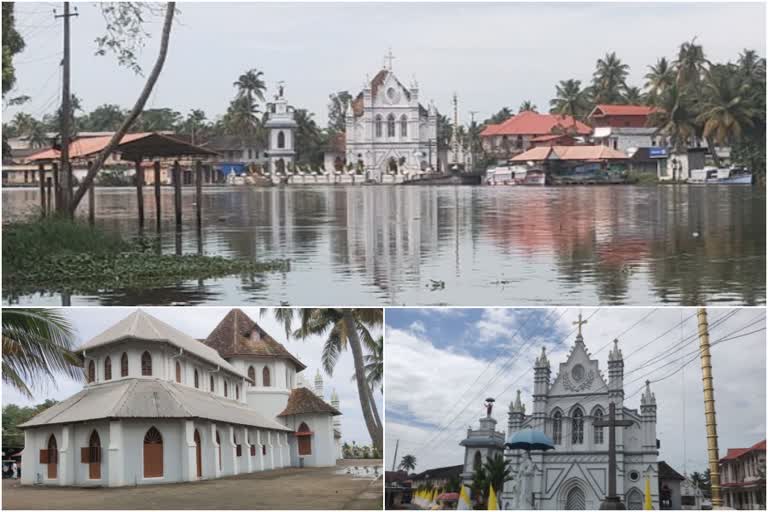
(709, 408)
(66, 114)
(394, 460)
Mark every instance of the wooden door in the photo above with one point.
(153, 454)
(198, 455)
(94, 447)
(53, 457)
(304, 436)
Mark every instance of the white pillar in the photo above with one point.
(215, 450)
(231, 448)
(270, 462)
(66, 469)
(30, 457)
(245, 460)
(259, 453)
(188, 452)
(116, 455)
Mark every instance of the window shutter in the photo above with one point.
(85, 455)
(253, 450)
(43, 456)
(263, 449)
(239, 450)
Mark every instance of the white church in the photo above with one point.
(389, 134)
(160, 406)
(573, 476)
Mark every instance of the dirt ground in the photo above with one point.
(291, 488)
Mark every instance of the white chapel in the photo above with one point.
(160, 406)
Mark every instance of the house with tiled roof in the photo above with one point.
(159, 406)
(624, 127)
(528, 129)
(742, 477)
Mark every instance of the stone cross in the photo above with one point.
(389, 57)
(611, 502)
(579, 323)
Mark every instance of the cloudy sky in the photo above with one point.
(491, 54)
(441, 364)
(198, 323)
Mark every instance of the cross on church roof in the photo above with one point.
(389, 57)
(579, 323)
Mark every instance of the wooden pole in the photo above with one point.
(41, 173)
(199, 194)
(92, 203)
(49, 186)
(709, 408)
(56, 187)
(140, 193)
(177, 193)
(157, 195)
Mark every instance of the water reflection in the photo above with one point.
(486, 246)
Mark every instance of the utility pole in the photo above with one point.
(394, 460)
(66, 114)
(472, 137)
(709, 408)
(611, 501)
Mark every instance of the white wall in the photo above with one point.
(323, 444)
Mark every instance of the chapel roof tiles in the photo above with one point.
(533, 123)
(304, 401)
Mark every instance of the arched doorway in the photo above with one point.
(392, 165)
(575, 499)
(153, 454)
(198, 454)
(280, 166)
(304, 436)
(218, 443)
(94, 456)
(634, 500)
(53, 457)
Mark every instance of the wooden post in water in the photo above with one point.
(157, 195)
(177, 193)
(92, 203)
(140, 193)
(199, 193)
(49, 186)
(56, 186)
(41, 177)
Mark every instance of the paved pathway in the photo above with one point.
(292, 488)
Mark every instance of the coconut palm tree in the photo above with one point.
(690, 63)
(725, 110)
(194, 122)
(751, 66)
(497, 471)
(633, 96)
(408, 463)
(609, 79)
(38, 135)
(675, 118)
(23, 122)
(374, 363)
(342, 328)
(570, 99)
(251, 85)
(527, 106)
(659, 77)
(37, 346)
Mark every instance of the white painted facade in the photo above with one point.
(388, 133)
(226, 448)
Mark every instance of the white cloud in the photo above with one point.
(418, 327)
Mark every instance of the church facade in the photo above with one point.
(160, 406)
(574, 475)
(388, 133)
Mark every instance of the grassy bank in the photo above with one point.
(55, 255)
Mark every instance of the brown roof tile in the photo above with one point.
(232, 337)
(304, 401)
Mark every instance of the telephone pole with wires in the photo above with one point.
(66, 115)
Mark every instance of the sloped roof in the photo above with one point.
(149, 398)
(439, 473)
(232, 142)
(666, 472)
(735, 453)
(232, 337)
(533, 123)
(142, 326)
(621, 110)
(132, 146)
(378, 81)
(586, 153)
(304, 401)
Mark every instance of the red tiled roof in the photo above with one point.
(85, 146)
(304, 401)
(545, 138)
(622, 110)
(735, 453)
(586, 153)
(533, 123)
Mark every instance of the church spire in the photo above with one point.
(615, 353)
(648, 399)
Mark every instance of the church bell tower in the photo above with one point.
(281, 127)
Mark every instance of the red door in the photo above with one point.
(304, 436)
(53, 457)
(94, 447)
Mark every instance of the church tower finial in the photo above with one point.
(319, 384)
(579, 323)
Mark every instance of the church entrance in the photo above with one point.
(53, 457)
(198, 455)
(94, 457)
(575, 500)
(304, 436)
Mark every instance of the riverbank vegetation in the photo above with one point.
(62, 256)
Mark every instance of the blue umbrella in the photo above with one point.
(528, 440)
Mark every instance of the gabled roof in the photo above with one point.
(533, 123)
(585, 153)
(621, 110)
(304, 401)
(232, 142)
(357, 104)
(735, 453)
(666, 472)
(232, 337)
(149, 398)
(439, 473)
(142, 326)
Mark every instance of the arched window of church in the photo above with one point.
(634, 500)
(377, 126)
(478, 460)
(280, 140)
(598, 430)
(557, 428)
(403, 126)
(213, 388)
(391, 125)
(226, 390)
(108, 368)
(577, 427)
(91, 371)
(146, 364)
(265, 377)
(252, 376)
(124, 365)
(197, 379)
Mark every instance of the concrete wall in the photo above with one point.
(323, 444)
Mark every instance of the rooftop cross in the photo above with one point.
(389, 57)
(579, 323)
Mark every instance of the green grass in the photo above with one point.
(56, 255)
